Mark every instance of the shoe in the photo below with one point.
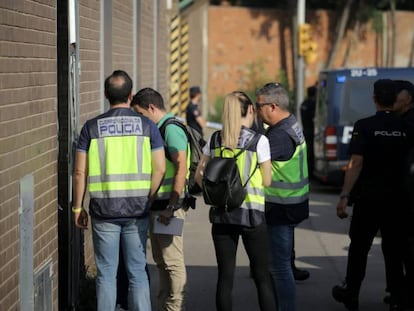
(341, 294)
(300, 275)
(396, 307)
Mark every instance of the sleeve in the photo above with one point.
(357, 144)
(281, 145)
(156, 139)
(84, 139)
(263, 149)
(175, 138)
(195, 112)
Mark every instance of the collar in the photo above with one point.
(165, 117)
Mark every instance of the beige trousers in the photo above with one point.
(168, 254)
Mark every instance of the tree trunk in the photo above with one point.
(392, 34)
(351, 43)
(340, 33)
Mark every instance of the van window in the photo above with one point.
(357, 101)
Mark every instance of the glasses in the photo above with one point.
(260, 105)
(272, 84)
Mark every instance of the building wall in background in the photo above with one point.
(28, 138)
(28, 110)
(239, 37)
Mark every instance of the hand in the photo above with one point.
(341, 208)
(81, 219)
(165, 216)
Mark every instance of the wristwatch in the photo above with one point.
(344, 195)
(173, 207)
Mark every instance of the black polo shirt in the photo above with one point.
(383, 141)
(192, 113)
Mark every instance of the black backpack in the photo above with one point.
(196, 142)
(222, 185)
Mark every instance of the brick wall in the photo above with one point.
(28, 111)
(239, 36)
(122, 35)
(90, 81)
(145, 44)
(28, 137)
(163, 50)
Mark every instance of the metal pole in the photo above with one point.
(300, 64)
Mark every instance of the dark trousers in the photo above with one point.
(255, 240)
(369, 217)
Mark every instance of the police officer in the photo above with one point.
(287, 198)
(121, 154)
(307, 113)
(378, 149)
(193, 112)
(404, 106)
(168, 250)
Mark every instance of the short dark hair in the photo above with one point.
(147, 96)
(275, 92)
(407, 86)
(118, 87)
(311, 91)
(385, 92)
(194, 90)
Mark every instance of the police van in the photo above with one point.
(344, 96)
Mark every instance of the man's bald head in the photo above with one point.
(118, 87)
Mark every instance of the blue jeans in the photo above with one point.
(106, 237)
(281, 241)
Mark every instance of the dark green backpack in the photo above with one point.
(196, 142)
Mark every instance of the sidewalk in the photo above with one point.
(321, 247)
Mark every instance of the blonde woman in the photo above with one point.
(248, 220)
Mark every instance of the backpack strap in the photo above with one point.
(253, 140)
(162, 128)
(174, 121)
(215, 143)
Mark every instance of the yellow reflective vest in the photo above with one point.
(119, 164)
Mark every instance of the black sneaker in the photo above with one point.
(396, 307)
(341, 294)
(300, 275)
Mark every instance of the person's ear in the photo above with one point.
(151, 108)
(251, 109)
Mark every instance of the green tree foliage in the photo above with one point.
(255, 76)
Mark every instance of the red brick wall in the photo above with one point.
(238, 36)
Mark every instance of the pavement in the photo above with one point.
(321, 244)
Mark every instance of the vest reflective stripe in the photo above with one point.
(102, 194)
(294, 185)
(246, 163)
(109, 178)
(289, 200)
(112, 174)
(166, 187)
(290, 183)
